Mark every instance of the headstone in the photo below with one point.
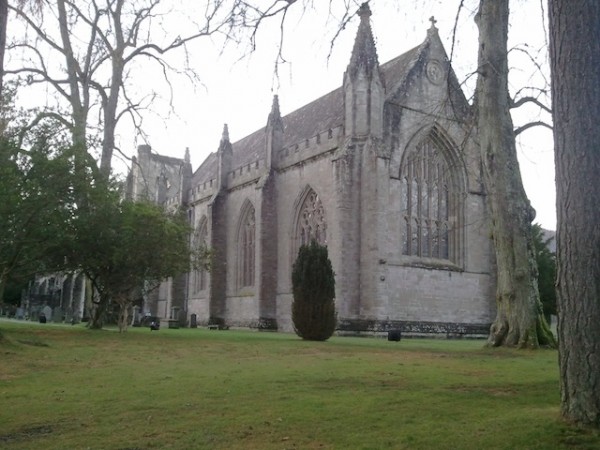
(193, 321)
(394, 335)
(57, 315)
(136, 317)
(20, 313)
(47, 312)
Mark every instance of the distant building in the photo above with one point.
(384, 170)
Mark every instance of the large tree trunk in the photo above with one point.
(519, 320)
(124, 306)
(3, 24)
(575, 66)
(111, 101)
(79, 102)
(3, 280)
(99, 313)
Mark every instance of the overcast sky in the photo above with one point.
(239, 92)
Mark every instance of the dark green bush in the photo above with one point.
(546, 262)
(313, 284)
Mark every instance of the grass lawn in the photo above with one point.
(64, 387)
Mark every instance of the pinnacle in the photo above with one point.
(364, 53)
(225, 136)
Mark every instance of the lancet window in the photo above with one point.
(427, 202)
(311, 221)
(246, 245)
(201, 243)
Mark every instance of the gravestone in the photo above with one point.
(136, 317)
(193, 321)
(394, 335)
(47, 312)
(57, 315)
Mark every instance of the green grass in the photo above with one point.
(70, 388)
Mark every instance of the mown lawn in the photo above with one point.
(67, 387)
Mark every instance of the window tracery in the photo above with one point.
(426, 203)
(311, 222)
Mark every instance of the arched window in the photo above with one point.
(428, 202)
(201, 243)
(311, 221)
(246, 246)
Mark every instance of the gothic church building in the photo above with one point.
(384, 170)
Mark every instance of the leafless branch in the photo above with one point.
(538, 123)
(524, 100)
(39, 118)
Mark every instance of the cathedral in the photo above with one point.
(384, 171)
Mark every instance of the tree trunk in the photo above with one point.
(99, 313)
(575, 62)
(80, 109)
(519, 320)
(3, 24)
(124, 306)
(111, 101)
(3, 280)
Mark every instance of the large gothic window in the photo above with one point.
(311, 221)
(246, 246)
(427, 202)
(200, 243)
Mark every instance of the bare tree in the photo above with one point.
(100, 45)
(575, 58)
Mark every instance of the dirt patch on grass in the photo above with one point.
(32, 342)
(27, 433)
(493, 391)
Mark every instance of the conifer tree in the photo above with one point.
(313, 284)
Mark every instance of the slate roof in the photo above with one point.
(324, 113)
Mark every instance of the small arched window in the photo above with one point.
(311, 221)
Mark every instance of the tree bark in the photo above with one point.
(519, 321)
(575, 62)
(124, 306)
(3, 24)
(3, 280)
(99, 313)
(79, 102)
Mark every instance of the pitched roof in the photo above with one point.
(322, 114)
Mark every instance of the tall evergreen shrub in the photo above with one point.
(313, 284)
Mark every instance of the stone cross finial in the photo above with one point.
(433, 21)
